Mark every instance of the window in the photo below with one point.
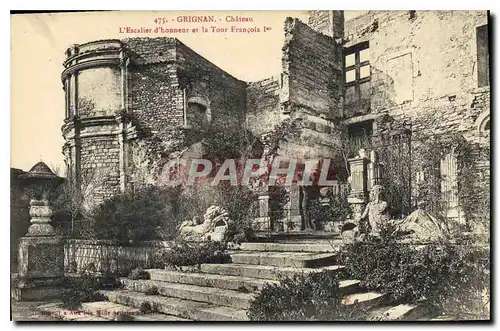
(67, 96)
(360, 136)
(483, 57)
(198, 114)
(357, 74)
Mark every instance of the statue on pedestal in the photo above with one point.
(376, 212)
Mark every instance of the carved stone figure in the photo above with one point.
(213, 227)
(421, 227)
(376, 212)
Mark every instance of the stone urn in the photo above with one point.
(41, 252)
(39, 182)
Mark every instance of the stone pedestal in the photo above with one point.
(41, 268)
(41, 258)
(359, 185)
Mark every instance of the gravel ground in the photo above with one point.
(28, 312)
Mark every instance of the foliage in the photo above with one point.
(473, 191)
(19, 217)
(73, 203)
(146, 308)
(445, 277)
(302, 297)
(185, 253)
(222, 143)
(286, 129)
(474, 185)
(278, 199)
(138, 273)
(335, 209)
(153, 290)
(84, 288)
(141, 166)
(134, 217)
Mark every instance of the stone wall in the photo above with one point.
(154, 96)
(99, 92)
(263, 106)
(327, 22)
(100, 168)
(155, 100)
(423, 66)
(311, 90)
(106, 256)
(223, 95)
(312, 70)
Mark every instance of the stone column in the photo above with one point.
(374, 169)
(41, 252)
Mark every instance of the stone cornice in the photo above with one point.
(107, 62)
(87, 122)
(107, 53)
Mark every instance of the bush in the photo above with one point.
(449, 278)
(335, 211)
(138, 273)
(84, 289)
(146, 308)
(194, 254)
(302, 297)
(153, 290)
(136, 217)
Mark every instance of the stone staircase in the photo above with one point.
(223, 292)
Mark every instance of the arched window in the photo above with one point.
(487, 125)
(198, 113)
(483, 122)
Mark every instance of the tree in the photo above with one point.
(73, 202)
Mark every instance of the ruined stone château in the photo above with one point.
(427, 70)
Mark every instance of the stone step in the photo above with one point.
(285, 259)
(289, 247)
(108, 310)
(365, 300)
(216, 296)
(261, 271)
(442, 318)
(236, 283)
(402, 312)
(349, 286)
(192, 310)
(159, 318)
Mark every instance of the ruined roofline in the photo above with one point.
(180, 43)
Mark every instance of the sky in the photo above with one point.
(38, 43)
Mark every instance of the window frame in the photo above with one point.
(356, 50)
(483, 78)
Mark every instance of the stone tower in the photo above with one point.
(120, 92)
(94, 80)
